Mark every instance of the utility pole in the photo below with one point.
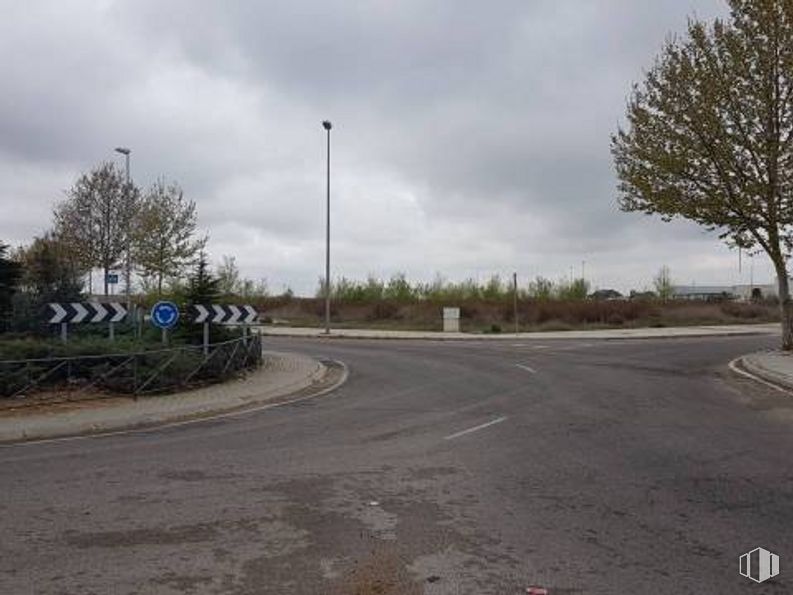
(751, 272)
(128, 264)
(515, 299)
(327, 126)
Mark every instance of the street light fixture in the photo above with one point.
(125, 151)
(327, 126)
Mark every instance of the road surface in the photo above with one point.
(462, 468)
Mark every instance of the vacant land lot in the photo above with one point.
(498, 315)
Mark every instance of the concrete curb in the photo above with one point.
(601, 334)
(760, 365)
(281, 376)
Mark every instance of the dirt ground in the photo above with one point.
(533, 315)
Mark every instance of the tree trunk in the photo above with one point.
(785, 306)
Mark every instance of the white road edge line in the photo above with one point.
(186, 422)
(734, 367)
(526, 368)
(498, 420)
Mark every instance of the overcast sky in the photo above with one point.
(469, 138)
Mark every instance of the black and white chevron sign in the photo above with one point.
(224, 314)
(82, 312)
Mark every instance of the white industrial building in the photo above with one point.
(730, 292)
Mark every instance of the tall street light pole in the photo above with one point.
(515, 301)
(327, 126)
(126, 152)
(128, 265)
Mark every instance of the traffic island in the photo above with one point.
(775, 367)
(282, 377)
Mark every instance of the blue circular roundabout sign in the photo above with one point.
(164, 314)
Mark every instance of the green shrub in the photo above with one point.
(121, 373)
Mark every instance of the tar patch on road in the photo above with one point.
(136, 537)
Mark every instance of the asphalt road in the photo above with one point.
(462, 468)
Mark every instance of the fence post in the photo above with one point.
(135, 375)
(138, 321)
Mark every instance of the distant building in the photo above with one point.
(724, 292)
(703, 292)
(642, 295)
(756, 291)
(605, 294)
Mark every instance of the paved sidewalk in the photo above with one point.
(625, 333)
(281, 374)
(772, 366)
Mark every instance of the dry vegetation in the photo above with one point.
(480, 315)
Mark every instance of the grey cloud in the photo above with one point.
(467, 135)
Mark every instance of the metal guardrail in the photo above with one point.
(137, 373)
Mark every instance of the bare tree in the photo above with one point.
(664, 286)
(95, 221)
(228, 274)
(541, 289)
(710, 135)
(164, 242)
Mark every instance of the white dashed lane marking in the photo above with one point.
(493, 422)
